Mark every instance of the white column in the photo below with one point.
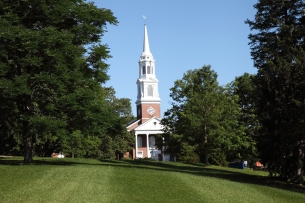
(136, 147)
(147, 144)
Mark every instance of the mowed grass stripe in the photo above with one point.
(195, 184)
(52, 183)
(211, 189)
(133, 184)
(89, 180)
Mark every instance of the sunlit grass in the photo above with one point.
(89, 180)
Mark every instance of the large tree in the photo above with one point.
(50, 58)
(277, 48)
(120, 141)
(243, 87)
(204, 116)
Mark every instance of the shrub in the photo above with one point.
(188, 154)
(218, 157)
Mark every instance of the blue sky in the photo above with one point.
(183, 35)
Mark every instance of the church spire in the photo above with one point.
(146, 49)
(147, 62)
(147, 82)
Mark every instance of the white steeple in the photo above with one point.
(147, 62)
(147, 82)
(146, 49)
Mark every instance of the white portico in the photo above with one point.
(146, 138)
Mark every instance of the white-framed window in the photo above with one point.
(150, 91)
(148, 69)
(139, 140)
(143, 70)
(140, 154)
(152, 141)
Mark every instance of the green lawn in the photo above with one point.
(89, 180)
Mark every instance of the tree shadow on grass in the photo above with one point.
(233, 176)
(222, 173)
(46, 161)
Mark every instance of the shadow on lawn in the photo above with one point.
(210, 172)
(18, 162)
(233, 176)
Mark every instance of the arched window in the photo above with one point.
(152, 142)
(143, 70)
(150, 91)
(139, 141)
(148, 69)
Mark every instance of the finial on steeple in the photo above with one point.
(144, 19)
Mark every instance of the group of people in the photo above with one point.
(58, 155)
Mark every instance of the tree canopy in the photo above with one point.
(277, 48)
(51, 70)
(203, 119)
(244, 89)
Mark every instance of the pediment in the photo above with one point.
(152, 124)
(133, 124)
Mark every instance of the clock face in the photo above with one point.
(151, 110)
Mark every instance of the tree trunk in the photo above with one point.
(33, 149)
(206, 157)
(72, 155)
(298, 177)
(25, 109)
(28, 150)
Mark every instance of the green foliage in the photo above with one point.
(188, 154)
(243, 87)
(120, 140)
(80, 145)
(219, 157)
(116, 145)
(75, 144)
(121, 106)
(107, 151)
(277, 48)
(170, 140)
(52, 66)
(205, 116)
